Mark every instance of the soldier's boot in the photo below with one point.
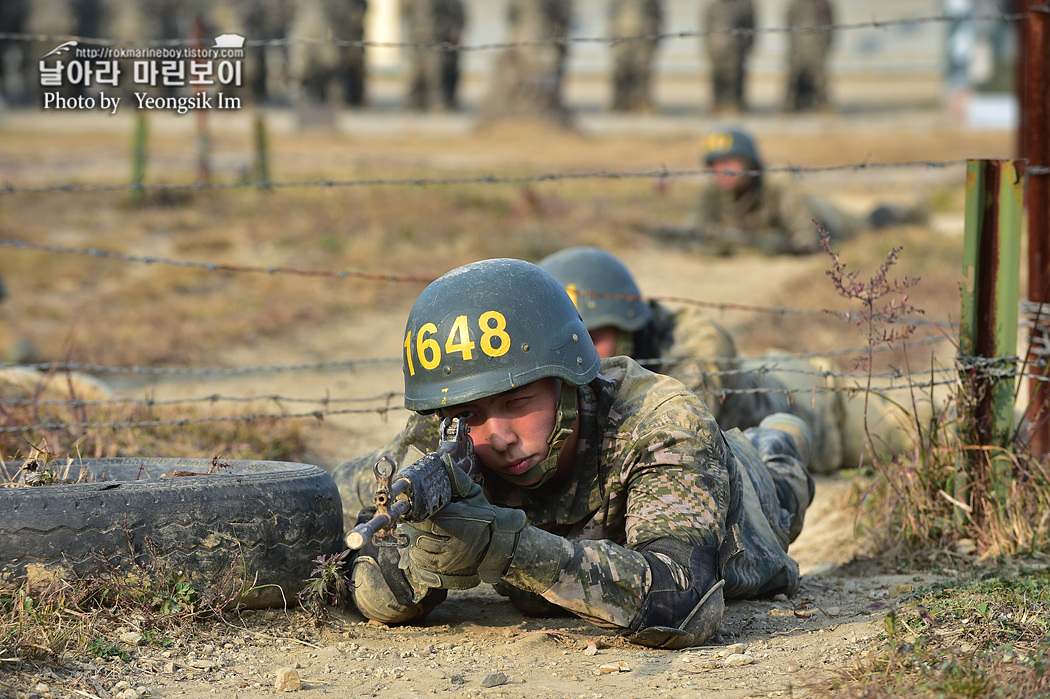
(886, 215)
(797, 428)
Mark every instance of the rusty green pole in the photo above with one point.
(988, 324)
(139, 155)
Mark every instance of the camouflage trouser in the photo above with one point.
(807, 82)
(777, 489)
(632, 68)
(807, 388)
(727, 82)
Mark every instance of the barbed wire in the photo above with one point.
(171, 402)
(991, 368)
(181, 422)
(998, 367)
(721, 306)
(347, 364)
(873, 23)
(773, 367)
(321, 413)
(661, 174)
(357, 364)
(215, 266)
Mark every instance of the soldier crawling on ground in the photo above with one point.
(610, 491)
(744, 208)
(740, 391)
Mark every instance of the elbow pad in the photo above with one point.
(674, 618)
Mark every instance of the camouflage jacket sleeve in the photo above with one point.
(355, 478)
(791, 214)
(664, 473)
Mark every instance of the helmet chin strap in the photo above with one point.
(562, 431)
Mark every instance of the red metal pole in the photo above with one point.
(1035, 149)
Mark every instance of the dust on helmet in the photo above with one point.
(601, 287)
(488, 327)
(730, 142)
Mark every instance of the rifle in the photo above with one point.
(419, 490)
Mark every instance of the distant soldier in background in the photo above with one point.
(319, 68)
(633, 60)
(16, 65)
(433, 74)
(527, 79)
(807, 81)
(259, 20)
(742, 207)
(728, 45)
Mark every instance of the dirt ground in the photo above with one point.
(476, 644)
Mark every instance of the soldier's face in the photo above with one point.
(605, 339)
(510, 429)
(729, 173)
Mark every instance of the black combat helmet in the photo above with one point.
(488, 327)
(601, 287)
(730, 142)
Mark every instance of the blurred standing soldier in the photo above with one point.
(633, 60)
(259, 20)
(317, 67)
(527, 79)
(16, 65)
(807, 82)
(730, 23)
(433, 74)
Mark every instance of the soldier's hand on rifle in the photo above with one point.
(381, 590)
(467, 542)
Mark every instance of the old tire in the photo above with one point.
(256, 524)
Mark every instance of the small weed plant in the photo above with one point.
(328, 585)
(944, 493)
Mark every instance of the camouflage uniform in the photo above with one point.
(259, 20)
(633, 60)
(728, 51)
(433, 74)
(651, 467)
(318, 67)
(807, 81)
(770, 215)
(700, 353)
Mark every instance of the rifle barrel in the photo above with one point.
(364, 532)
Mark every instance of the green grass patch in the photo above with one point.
(989, 637)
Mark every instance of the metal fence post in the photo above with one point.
(139, 155)
(1034, 150)
(988, 323)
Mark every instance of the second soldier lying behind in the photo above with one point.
(610, 491)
